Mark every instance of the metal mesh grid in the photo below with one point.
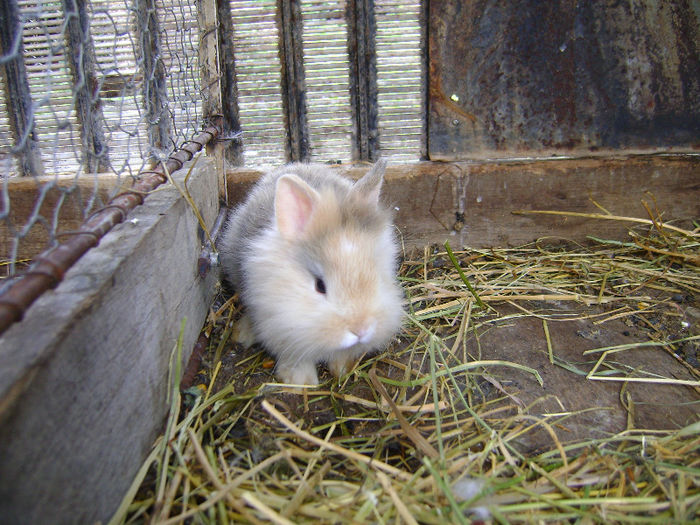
(116, 93)
(139, 89)
(119, 77)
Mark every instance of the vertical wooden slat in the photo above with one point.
(425, 79)
(233, 151)
(362, 54)
(17, 96)
(208, 23)
(208, 61)
(153, 70)
(80, 54)
(290, 27)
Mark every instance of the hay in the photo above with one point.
(411, 435)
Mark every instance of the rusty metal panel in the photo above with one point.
(526, 77)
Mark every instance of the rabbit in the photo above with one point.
(314, 259)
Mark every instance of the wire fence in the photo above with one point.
(96, 92)
(91, 88)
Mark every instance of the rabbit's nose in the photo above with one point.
(360, 333)
(364, 331)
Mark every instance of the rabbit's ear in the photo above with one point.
(369, 186)
(295, 202)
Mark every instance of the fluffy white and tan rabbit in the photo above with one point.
(314, 259)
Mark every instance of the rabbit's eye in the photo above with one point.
(320, 285)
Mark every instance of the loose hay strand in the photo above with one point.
(397, 439)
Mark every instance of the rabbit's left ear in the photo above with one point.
(369, 186)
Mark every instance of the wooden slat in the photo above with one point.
(16, 92)
(362, 28)
(293, 82)
(84, 377)
(233, 148)
(81, 60)
(428, 196)
(153, 72)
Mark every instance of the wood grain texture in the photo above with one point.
(36, 198)
(433, 199)
(83, 378)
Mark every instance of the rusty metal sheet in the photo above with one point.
(526, 77)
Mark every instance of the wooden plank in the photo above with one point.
(472, 203)
(233, 148)
(362, 29)
(216, 78)
(527, 78)
(155, 102)
(290, 27)
(84, 377)
(17, 95)
(37, 199)
(80, 53)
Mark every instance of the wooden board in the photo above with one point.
(472, 204)
(39, 196)
(525, 78)
(84, 377)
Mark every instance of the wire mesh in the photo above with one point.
(134, 44)
(112, 86)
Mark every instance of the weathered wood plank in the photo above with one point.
(233, 149)
(80, 53)
(430, 196)
(38, 198)
(83, 378)
(290, 27)
(16, 92)
(362, 61)
(155, 102)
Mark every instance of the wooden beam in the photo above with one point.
(155, 101)
(80, 55)
(84, 377)
(218, 83)
(290, 27)
(362, 60)
(472, 204)
(233, 146)
(18, 98)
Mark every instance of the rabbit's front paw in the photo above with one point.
(244, 332)
(342, 364)
(298, 374)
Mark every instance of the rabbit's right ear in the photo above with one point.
(369, 186)
(295, 202)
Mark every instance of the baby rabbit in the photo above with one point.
(314, 259)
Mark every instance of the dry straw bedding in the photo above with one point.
(424, 432)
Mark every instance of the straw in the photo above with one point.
(399, 438)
